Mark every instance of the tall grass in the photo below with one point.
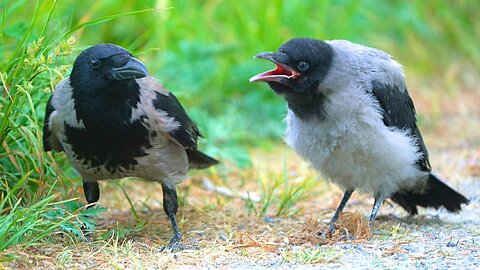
(31, 61)
(281, 194)
(202, 51)
(32, 55)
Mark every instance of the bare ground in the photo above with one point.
(229, 235)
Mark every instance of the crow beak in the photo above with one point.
(133, 69)
(281, 72)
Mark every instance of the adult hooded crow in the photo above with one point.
(350, 115)
(113, 120)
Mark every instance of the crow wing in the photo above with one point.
(187, 133)
(50, 140)
(398, 111)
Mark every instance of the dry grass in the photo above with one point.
(228, 228)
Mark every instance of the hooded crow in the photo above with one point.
(113, 120)
(350, 115)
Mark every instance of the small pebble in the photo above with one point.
(452, 243)
(276, 262)
(400, 257)
(359, 247)
(270, 220)
(223, 237)
(194, 240)
(410, 248)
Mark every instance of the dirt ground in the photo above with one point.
(228, 234)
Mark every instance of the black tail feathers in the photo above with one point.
(199, 160)
(434, 193)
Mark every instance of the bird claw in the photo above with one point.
(328, 232)
(176, 245)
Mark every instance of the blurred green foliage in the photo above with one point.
(202, 51)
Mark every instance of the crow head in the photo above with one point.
(301, 65)
(105, 68)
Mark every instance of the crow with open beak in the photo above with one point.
(113, 120)
(350, 115)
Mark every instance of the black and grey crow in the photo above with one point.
(113, 120)
(350, 115)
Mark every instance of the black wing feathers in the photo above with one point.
(187, 134)
(49, 143)
(436, 194)
(398, 111)
(46, 131)
(199, 160)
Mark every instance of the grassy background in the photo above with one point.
(202, 51)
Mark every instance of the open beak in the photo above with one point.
(281, 72)
(133, 69)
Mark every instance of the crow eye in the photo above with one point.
(95, 63)
(302, 66)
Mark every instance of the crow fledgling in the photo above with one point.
(113, 120)
(350, 115)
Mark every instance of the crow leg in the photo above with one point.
(345, 198)
(92, 194)
(91, 191)
(170, 206)
(376, 206)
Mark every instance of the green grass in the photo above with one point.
(279, 194)
(40, 219)
(311, 255)
(28, 176)
(202, 51)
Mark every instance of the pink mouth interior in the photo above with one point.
(280, 72)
